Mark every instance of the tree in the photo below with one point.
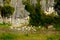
(35, 12)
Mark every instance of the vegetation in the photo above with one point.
(38, 17)
(12, 36)
(7, 36)
(51, 19)
(6, 1)
(6, 25)
(35, 12)
(57, 6)
(6, 10)
(57, 9)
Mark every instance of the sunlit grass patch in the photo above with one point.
(6, 25)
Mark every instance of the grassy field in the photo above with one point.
(6, 34)
(11, 36)
(6, 25)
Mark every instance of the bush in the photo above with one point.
(57, 26)
(47, 20)
(35, 12)
(7, 11)
(38, 17)
(50, 19)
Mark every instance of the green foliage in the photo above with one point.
(57, 26)
(35, 13)
(7, 11)
(46, 20)
(27, 35)
(25, 2)
(53, 37)
(50, 19)
(6, 25)
(7, 1)
(46, 1)
(38, 17)
(38, 1)
(49, 38)
(35, 17)
(57, 23)
(12, 36)
(57, 6)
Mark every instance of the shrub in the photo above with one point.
(35, 12)
(7, 11)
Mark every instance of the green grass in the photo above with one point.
(53, 37)
(6, 25)
(17, 36)
(7, 36)
(12, 36)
